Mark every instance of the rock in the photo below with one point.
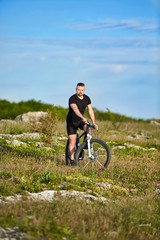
(7, 121)
(106, 186)
(50, 195)
(62, 138)
(142, 135)
(23, 135)
(119, 147)
(134, 146)
(145, 225)
(12, 233)
(112, 234)
(39, 144)
(31, 117)
(130, 145)
(152, 149)
(16, 143)
(155, 123)
(48, 148)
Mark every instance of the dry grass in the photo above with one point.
(133, 215)
(123, 219)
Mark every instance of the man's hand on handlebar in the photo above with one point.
(95, 126)
(85, 120)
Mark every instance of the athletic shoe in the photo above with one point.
(72, 163)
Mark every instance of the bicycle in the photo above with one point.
(92, 153)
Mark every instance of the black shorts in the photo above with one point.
(72, 129)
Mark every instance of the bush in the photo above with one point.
(11, 110)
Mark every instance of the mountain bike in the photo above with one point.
(91, 154)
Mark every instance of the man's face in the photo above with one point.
(80, 90)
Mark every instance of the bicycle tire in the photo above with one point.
(101, 153)
(67, 153)
(67, 159)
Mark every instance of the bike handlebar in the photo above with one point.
(91, 125)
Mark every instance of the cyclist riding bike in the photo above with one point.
(75, 119)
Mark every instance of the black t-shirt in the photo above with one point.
(72, 118)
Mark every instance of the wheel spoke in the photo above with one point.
(101, 155)
(98, 149)
(86, 164)
(92, 165)
(100, 163)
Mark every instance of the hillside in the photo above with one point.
(42, 198)
(11, 110)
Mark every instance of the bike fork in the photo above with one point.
(89, 137)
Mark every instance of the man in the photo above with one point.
(75, 119)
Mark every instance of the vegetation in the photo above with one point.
(11, 110)
(130, 184)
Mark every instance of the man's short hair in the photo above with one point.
(81, 84)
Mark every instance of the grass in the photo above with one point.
(125, 219)
(133, 175)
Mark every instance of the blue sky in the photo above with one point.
(47, 46)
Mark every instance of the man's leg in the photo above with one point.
(72, 143)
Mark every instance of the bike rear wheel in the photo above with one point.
(67, 153)
(100, 156)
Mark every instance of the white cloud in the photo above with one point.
(125, 24)
(42, 58)
(117, 68)
(24, 55)
(89, 43)
(77, 59)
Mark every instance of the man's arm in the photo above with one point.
(91, 113)
(77, 112)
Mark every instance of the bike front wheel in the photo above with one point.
(100, 156)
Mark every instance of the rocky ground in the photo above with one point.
(39, 191)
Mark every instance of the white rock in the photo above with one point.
(62, 138)
(152, 149)
(112, 233)
(143, 135)
(106, 185)
(23, 135)
(17, 143)
(155, 123)
(39, 144)
(130, 145)
(50, 195)
(48, 148)
(8, 121)
(31, 117)
(145, 225)
(119, 147)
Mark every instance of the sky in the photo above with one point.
(48, 46)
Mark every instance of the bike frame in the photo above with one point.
(87, 138)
